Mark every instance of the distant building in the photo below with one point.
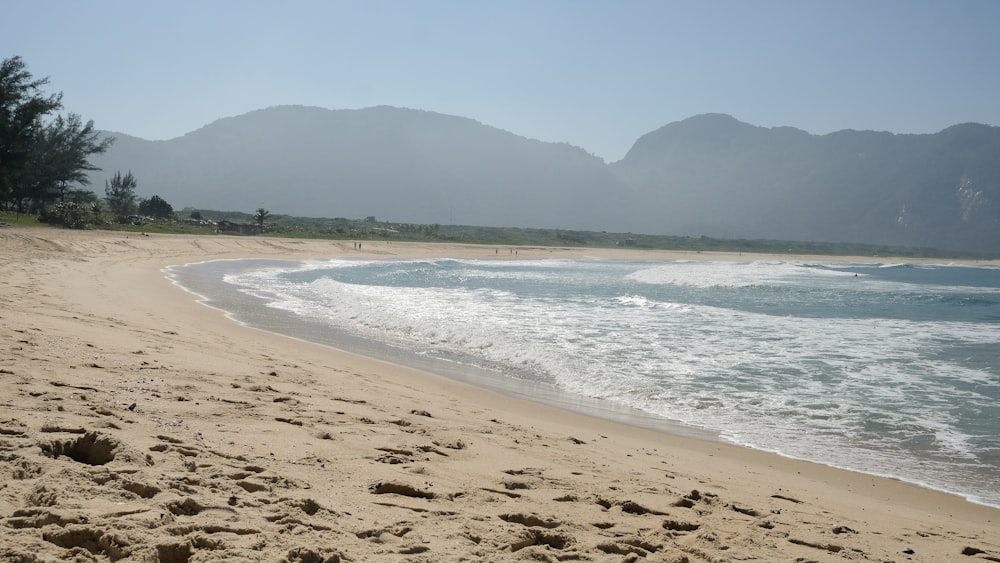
(230, 228)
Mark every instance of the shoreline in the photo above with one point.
(288, 325)
(189, 401)
(215, 294)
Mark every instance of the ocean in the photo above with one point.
(886, 369)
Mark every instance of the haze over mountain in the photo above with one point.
(396, 164)
(707, 175)
(712, 174)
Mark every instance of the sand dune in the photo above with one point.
(139, 425)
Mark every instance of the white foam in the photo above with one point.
(857, 388)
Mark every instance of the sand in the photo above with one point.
(139, 425)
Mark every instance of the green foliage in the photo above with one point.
(119, 194)
(67, 214)
(156, 207)
(97, 210)
(40, 160)
(22, 106)
(14, 218)
(260, 216)
(83, 197)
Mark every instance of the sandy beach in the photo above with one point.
(139, 425)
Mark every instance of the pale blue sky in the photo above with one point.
(596, 74)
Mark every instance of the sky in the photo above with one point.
(594, 74)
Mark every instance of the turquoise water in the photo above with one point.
(892, 370)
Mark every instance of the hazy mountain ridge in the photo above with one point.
(396, 164)
(715, 175)
(707, 175)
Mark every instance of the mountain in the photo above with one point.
(707, 175)
(713, 175)
(396, 164)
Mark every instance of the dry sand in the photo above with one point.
(139, 425)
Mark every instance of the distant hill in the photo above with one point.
(707, 175)
(714, 175)
(396, 164)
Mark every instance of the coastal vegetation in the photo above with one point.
(44, 160)
(206, 222)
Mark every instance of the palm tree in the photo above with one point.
(260, 216)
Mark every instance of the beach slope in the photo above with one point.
(139, 425)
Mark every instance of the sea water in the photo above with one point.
(887, 369)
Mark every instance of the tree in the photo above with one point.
(39, 160)
(66, 213)
(80, 196)
(22, 106)
(120, 194)
(260, 216)
(97, 210)
(157, 207)
(57, 159)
